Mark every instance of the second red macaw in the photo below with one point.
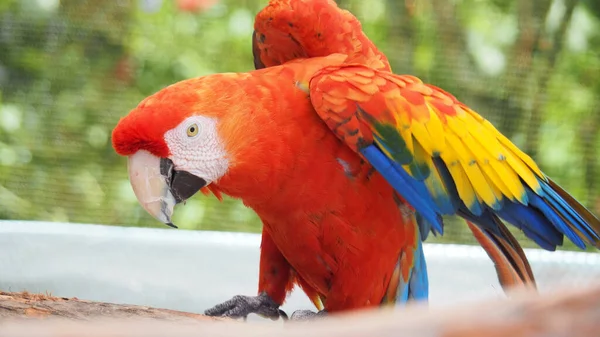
(289, 29)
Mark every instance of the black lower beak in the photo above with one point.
(183, 185)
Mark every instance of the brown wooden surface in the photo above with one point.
(27, 305)
(568, 312)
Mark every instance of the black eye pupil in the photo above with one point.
(192, 129)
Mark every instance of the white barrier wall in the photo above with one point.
(193, 270)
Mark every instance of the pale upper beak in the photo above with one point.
(158, 186)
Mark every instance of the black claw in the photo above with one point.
(283, 315)
(241, 306)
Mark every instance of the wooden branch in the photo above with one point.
(26, 305)
(569, 312)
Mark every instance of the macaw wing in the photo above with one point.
(443, 158)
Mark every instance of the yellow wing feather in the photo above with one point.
(435, 128)
(463, 186)
(484, 165)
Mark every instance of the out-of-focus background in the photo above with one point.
(70, 69)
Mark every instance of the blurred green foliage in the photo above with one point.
(70, 69)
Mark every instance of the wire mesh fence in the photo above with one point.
(70, 69)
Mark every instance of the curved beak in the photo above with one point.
(158, 186)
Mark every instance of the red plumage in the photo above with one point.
(331, 224)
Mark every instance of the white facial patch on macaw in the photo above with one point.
(196, 148)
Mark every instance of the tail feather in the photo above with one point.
(419, 282)
(414, 287)
(509, 259)
(313, 295)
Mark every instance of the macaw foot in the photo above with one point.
(307, 315)
(241, 306)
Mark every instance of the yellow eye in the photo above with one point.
(192, 130)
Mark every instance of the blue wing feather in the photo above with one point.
(424, 226)
(544, 218)
(552, 218)
(533, 224)
(569, 213)
(404, 184)
(453, 201)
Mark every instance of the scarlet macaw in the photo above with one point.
(327, 153)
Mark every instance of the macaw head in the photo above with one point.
(176, 141)
(219, 131)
